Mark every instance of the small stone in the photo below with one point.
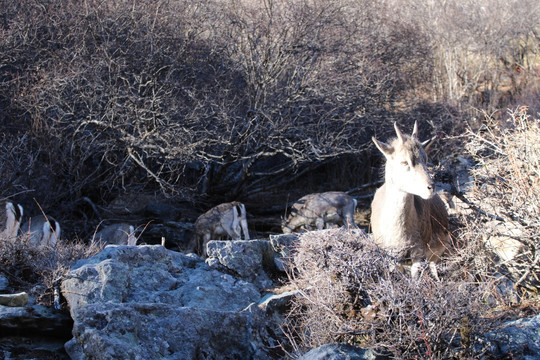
(14, 300)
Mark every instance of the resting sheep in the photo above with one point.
(407, 217)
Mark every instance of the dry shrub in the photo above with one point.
(485, 52)
(231, 98)
(352, 292)
(506, 189)
(17, 159)
(35, 270)
(174, 95)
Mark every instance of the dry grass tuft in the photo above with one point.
(35, 270)
(352, 292)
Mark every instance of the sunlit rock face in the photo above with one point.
(148, 302)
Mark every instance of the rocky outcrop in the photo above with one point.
(34, 320)
(283, 246)
(519, 339)
(246, 258)
(153, 274)
(163, 331)
(148, 302)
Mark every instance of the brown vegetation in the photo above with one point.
(352, 293)
(36, 270)
(507, 191)
(230, 99)
(260, 101)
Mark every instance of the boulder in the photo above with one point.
(163, 331)
(246, 258)
(15, 300)
(519, 339)
(147, 302)
(153, 274)
(283, 246)
(34, 320)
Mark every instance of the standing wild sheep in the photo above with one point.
(319, 211)
(407, 217)
(224, 220)
(43, 231)
(10, 219)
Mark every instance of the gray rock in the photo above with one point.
(148, 302)
(74, 349)
(162, 331)
(15, 300)
(153, 274)
(340, 351)
(520, 338)
(36, 319)
(247, 258)
(283, 246)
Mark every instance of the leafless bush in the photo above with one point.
(352, 293)
(35, 270)
(229, 96)
(104, 93)
(228, 99)
(484, 52)
(17, 159)
(507, 191)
